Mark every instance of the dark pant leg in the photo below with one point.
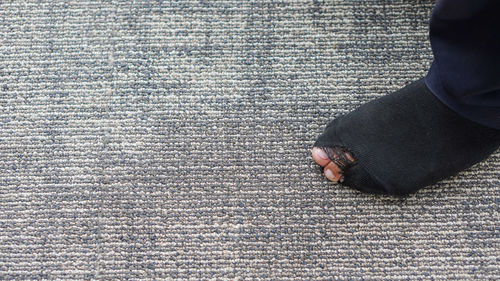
(465, 74)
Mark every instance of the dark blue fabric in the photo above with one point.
(465, 74)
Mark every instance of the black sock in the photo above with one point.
(407, 140)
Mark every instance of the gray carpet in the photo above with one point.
(170, 140)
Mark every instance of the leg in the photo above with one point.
(465, 74)
(428, 131)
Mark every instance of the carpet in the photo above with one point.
(171, 140)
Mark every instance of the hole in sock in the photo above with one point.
(340, 156)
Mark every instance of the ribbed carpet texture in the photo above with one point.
(171, 140)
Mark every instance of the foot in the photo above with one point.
(401, 142)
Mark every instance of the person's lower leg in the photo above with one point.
(435, 127)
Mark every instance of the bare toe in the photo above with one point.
(333, 172)
(320, 156)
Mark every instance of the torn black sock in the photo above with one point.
(407, 140)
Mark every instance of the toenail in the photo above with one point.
(329, 175)
(320, 153)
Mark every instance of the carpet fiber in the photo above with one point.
(171, 140)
